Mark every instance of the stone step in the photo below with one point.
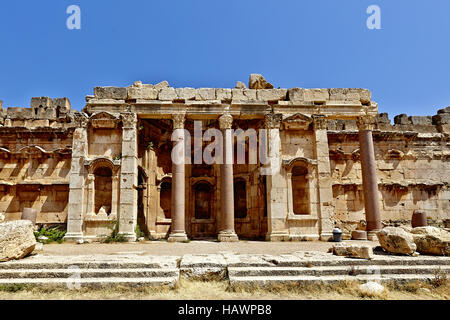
(93, 262)
(392, 261)
(333, 270)
(262, 281)
(88, 273)
(89, 282)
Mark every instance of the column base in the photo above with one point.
(277, 236)
(177, 237)
(227, 236)
(372, 235)
(129, 237)
(326, 236)
(73, 237)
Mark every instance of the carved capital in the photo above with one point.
(366, 122)
(129, 120)
(225, 121)
(320, 122)
(80, 119)
(90, 178)
(178, 121)
(273, 121)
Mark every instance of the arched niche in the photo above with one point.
(203, 200)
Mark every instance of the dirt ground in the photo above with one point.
(192, 247)
(212, 290)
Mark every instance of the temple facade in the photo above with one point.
(331, 160)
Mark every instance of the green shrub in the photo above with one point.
(139, 232)
(115, 236)
(53, 234)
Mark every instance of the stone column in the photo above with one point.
(90, 182)
(77, 205)
(369, 176)
(178, 232)
(276, 183)
(114, 198)
(325, 185)
(128, 177)
(226, 225)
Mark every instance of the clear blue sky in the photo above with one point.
(209, 43)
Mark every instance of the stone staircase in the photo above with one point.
(391, 269)
(89, 271)
(128, 269)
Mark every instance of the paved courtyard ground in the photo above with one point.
(192, 247)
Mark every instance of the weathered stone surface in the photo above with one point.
(271, 94)
(205, 94)
(186, 93)
(371, 288)
(161, 85)
(316, 95)
(296, 94)
(142, 92)
(203, 266)
(16, 239)
(243, 94)
(362, 251)
(223, 94)
(117, 93)
(240, 85)
(41, 102)
(257, 81)
(167, 94)
(396, 240)
(2, 217)
(431, 240)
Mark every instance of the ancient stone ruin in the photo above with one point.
(334, 161)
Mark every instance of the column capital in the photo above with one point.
(90, 177)
(319, 121)
(178, 121)
(81, 119)
(366, 122)
(129, 120)
(225, 121)
(273, 120)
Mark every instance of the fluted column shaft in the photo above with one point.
(227, 233)
(178, 232)
(369, 176)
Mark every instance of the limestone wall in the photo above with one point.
(35, 159)
(413, 169)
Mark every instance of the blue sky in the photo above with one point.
(209, 43)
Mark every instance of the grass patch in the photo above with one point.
(55, 234)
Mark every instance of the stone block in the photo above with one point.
(296, 94)
(19, 113)
(316, 95)
(186, 93)
(420, 120)
(41, 102)
(271, 94)
(144, 92)
(243, 94)
(223, 94)
(161, 85)
(401, 119)
(203, 94)
(117, 93)
(167, 94)
(62, 104)
(439, 119)
(257, 81)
